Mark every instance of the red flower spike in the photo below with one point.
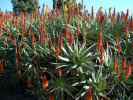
(100, 41)
(1, 67)
(71, 39)
(33, 40)
(126, 16)
(16, 21)
(119, 76)
(51, 97)
(1, 23)
(42, 36)
(118, 46)
(13, 21)
(61, 42)
(101, 48)
(130, 25)
(23, 22)
(101, 58)
(101, 19)
(129, 72)
(124, 66)
(69, 36)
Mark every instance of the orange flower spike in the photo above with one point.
(89, 94)
(100, 41)
(100, 47)
(42, 35)
(129, 72)
(57, 52)
(116, 65)
(102, 56)
(68, 35)
(45, 83)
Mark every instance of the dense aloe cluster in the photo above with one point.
(71, 55)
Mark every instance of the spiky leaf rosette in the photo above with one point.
(78, 57)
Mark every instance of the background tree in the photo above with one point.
(54, 4)
(25, 5)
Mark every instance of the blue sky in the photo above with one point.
(118, 4)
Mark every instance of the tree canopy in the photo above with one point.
(25, 5)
